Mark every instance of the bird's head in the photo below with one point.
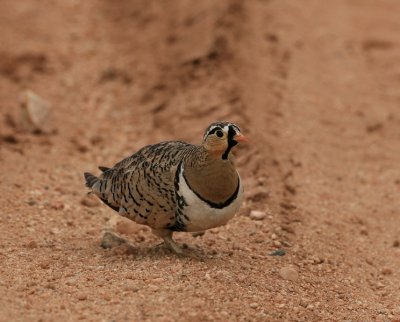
(221, 137)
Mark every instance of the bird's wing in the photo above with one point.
(142, 186)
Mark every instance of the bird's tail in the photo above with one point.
(91, 180)
(98, 187)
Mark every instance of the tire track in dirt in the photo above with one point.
(326, 127)
(261, 65)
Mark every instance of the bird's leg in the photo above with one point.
(169, 243)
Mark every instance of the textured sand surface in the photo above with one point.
(314, 86)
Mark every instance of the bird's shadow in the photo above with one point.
(128, 251)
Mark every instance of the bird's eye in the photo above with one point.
(219, 134)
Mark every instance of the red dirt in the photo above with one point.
(314, 85)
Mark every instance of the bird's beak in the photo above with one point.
(240, 138)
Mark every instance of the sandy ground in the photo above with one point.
(314, 85)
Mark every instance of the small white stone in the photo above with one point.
(257, 215)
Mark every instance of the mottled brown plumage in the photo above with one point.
(154, 186)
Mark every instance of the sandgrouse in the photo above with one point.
(176, 186)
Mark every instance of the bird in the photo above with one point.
(174, 186)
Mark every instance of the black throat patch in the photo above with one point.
(231, 143)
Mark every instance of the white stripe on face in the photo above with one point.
(224, 128)
(210, 129)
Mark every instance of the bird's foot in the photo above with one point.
(174, 248)
(170, 244)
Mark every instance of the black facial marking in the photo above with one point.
(215, 129)
(231, 142)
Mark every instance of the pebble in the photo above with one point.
(110, 240)
(364, 231)
(386, 271)
(57, 205)
(55, 231)
(130, 276)
(279, 298)
(81, 296)
(257, 215)
(71, 282)
(32, 244)
(44, 264)
(131, 288)
(189, 288)
(107, 297)
(35, 114)
(270, 288)
(128, 227)
(303, 302)
(153, 288)
(110, 228)
(258, 240)
(56, 275)
(90, 201)
(279, 252)
(289, 274)
(158, 280)
(277, 243)
(254, 305)
(287, 244)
